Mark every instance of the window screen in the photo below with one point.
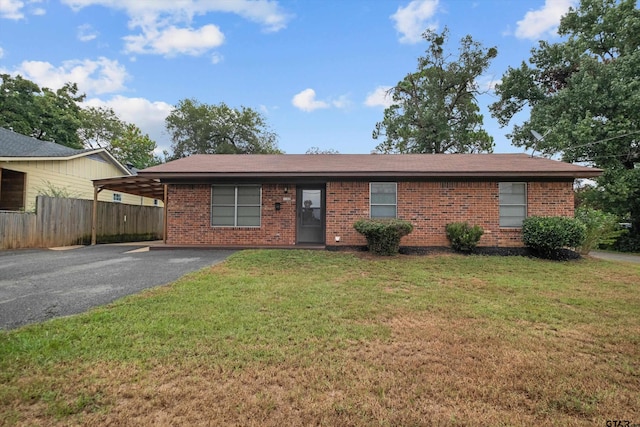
(383, 199)
(513, 203)
(235, 206)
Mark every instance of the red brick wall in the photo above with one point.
(189, 218)
(428, 205)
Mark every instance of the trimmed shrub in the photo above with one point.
(601, 229)
(548, 235)
(383, 235)
(463, 237)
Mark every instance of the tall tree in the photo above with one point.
(583, 94)
(100, 126)
(18, 104)
(58, 116)
(197, 128)
(41, 112)
(134, 148)
(435, 109)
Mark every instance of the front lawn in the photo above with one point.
(278, 338)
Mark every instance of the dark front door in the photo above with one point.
(310, 211)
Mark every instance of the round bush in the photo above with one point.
(383, 235)
(463, 237)
(547, 235)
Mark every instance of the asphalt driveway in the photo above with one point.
(36, 285)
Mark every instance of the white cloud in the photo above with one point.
(93, 77)
(267, 109)
(343, 102)
(216, 58)
(487, 83)
(380, 97)
(1, 53)
(86, 33)
(306, 101)
(412, 20)
(11, 9)
(544, 21)
(265, 12)
(172, 41)
(165, 25)
(149, 116)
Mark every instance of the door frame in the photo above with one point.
(323, 210)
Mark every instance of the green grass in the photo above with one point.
(306, 337)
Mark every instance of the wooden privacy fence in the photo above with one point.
(62, 222)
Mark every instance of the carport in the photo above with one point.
(137, 185)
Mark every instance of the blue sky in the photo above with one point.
(316, 69)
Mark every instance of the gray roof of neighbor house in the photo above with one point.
(18, 147)
(13, 144)
(376, 166)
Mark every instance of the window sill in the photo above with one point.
(237, 227)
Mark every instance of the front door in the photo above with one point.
(310, 212)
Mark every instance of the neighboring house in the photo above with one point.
(284, 200)
(29, 167)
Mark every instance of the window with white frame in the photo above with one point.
(235, 205)
(117, 197)
(383, 199)
(513, 203)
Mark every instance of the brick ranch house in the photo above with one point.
(289, 200)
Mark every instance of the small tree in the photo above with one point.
(317, 150)
(463, 237)
(601, 229)
(383, 235)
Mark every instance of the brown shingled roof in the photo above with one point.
(332, 166)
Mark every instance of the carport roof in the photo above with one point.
(140, 186)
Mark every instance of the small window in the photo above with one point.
(383, 199)
(235, 206)
(117, 197)
(513, 203)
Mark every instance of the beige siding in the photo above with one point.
(74, 176)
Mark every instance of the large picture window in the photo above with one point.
(235, 205)
(383, 199)
(513, 203)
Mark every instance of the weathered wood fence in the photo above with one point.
(63, 222)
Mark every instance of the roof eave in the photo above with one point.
(163, 176)
(99, 151)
